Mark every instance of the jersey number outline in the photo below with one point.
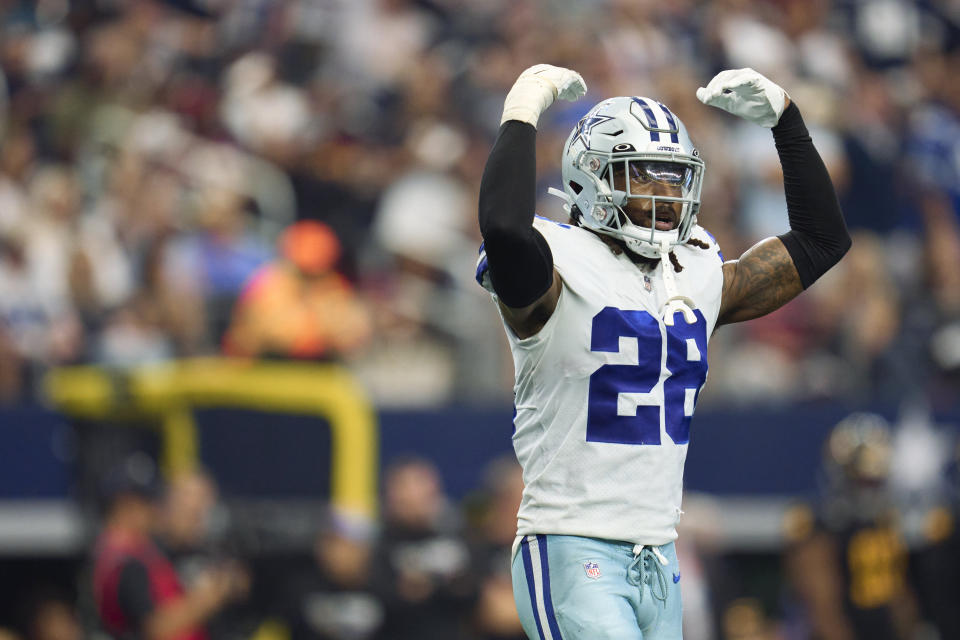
(686, 371)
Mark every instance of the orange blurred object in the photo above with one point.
(311, 246)
(283, 313)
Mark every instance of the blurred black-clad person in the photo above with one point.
(332, 598)
(495, 616)
(422, 569)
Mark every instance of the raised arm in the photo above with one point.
(762, 280)
(776, 270)
(518, 258)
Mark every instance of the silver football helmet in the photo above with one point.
(618, 148)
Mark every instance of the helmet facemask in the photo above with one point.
(656, 181)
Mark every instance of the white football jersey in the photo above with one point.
(605, 391)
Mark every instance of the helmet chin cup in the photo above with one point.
(644, 247)
(641, 248)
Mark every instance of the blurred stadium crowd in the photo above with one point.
(298, 179)
(429, 570)
(169, 563)
(153, 155)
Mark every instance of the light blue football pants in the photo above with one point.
(573, 588)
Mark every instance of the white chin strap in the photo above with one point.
(642, 248)
(675, 302)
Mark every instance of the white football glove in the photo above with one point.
(745, 93)
(537, 88)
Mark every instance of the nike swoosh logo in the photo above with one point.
(676, 578)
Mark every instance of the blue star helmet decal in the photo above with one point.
(586, 125)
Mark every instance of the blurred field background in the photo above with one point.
(237, 244)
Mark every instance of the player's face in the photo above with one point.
(652, 178)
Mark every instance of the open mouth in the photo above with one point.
(666, 218)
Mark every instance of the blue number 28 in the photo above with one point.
(616, 388)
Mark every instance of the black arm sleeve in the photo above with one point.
(519, 258)
(818, 236)
(133, 593)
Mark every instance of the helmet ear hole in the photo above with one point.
(577, 188)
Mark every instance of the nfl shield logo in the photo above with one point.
(592, 569)
(647, 284)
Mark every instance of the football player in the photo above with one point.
(845, 559)
(608, 320)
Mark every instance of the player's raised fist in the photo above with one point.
(566, 84)
(746, 93)
(537, 88)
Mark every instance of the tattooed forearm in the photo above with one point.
(762, 280)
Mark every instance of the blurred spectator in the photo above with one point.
(299, 306)
(17, 156)
(941, 253)
(51, 616)
(858, 310)
(423, 571)
(213, 264)
(924, 468)
(933, 131)
(263, 113)
(187, 510)
(136, 588)
(380, 40)
(133, 335)
(496, 612)
(35, 254)
(876, 192)
(187, 534)
(332, 598)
